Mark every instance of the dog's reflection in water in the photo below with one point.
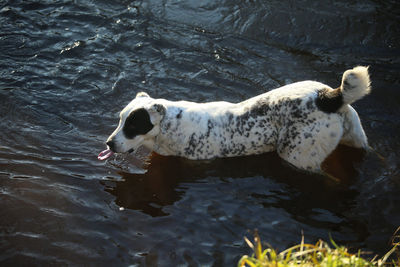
(159, 186)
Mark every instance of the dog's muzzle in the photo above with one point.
(105, 154)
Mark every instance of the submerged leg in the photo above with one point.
(307, 146)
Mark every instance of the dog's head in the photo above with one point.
(138, 125)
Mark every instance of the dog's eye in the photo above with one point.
(131, 121)
(137, 123)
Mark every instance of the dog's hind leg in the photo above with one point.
(307, 146)
(353, 133)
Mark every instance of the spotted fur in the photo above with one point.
(303, 122)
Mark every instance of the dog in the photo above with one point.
(303, 121)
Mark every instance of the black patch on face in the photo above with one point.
(137, 123)
(328, 100)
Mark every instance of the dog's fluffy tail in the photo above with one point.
(355, 84)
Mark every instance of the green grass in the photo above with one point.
(319, 254)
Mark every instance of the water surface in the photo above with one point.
(68, 67)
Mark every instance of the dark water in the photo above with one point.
(68, 67)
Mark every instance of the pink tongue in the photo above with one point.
(105, 154)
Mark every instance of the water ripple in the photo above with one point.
(67, 69)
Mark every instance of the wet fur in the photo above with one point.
(304, 122)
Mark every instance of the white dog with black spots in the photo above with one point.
(304, 122)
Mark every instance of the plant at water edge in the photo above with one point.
(319, 254)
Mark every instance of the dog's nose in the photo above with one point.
(111, 145)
